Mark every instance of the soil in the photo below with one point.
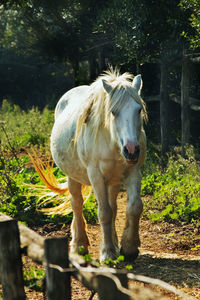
(167, 252)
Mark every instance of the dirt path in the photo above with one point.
(165, 254)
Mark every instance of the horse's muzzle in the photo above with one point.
(131, 158)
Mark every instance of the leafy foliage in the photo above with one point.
(143, 30)
(90, 209)
(14, 200)
(176, 191)
(25, 129)
(117, 263)
(33, 278)
(193, 8)
(63, 30)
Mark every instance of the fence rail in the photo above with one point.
(52, 253)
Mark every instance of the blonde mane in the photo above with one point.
(98, 106)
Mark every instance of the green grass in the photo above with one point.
(25, 129)
(175, 190)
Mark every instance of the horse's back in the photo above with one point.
(76, 94)
(62, 137)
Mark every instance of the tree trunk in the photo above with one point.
(185, 108)
(102, 63)
(75, 66)
(164, 109)
(92, 67)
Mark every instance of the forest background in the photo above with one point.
(48, 47)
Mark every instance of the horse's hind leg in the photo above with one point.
(80, 240)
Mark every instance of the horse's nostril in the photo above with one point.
(131, 154)
(137, 149)
(125, 150)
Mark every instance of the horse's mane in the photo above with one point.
(98, 106)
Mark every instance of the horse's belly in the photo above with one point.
(77, 173)
(71, 166)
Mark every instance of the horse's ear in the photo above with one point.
(137, 83)
(107, 86)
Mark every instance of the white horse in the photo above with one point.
(98, 140)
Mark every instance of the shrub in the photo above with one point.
(13, 198)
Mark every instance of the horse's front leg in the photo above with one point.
(105, 214)
(130, 239)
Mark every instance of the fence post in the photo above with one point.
(10, 261)
(107, 288)
(57, 282)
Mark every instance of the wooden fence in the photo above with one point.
(52, 253)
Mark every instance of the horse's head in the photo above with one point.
(126, 107)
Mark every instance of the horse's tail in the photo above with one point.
(45, 171)
(54, 197)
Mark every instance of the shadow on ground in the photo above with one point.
(172, 270)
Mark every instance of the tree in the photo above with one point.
(36, 35)
(58, 30)
(147, 31)
(192, 7)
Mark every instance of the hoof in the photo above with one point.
(109, 254)
(129, 257)
(81, 250)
